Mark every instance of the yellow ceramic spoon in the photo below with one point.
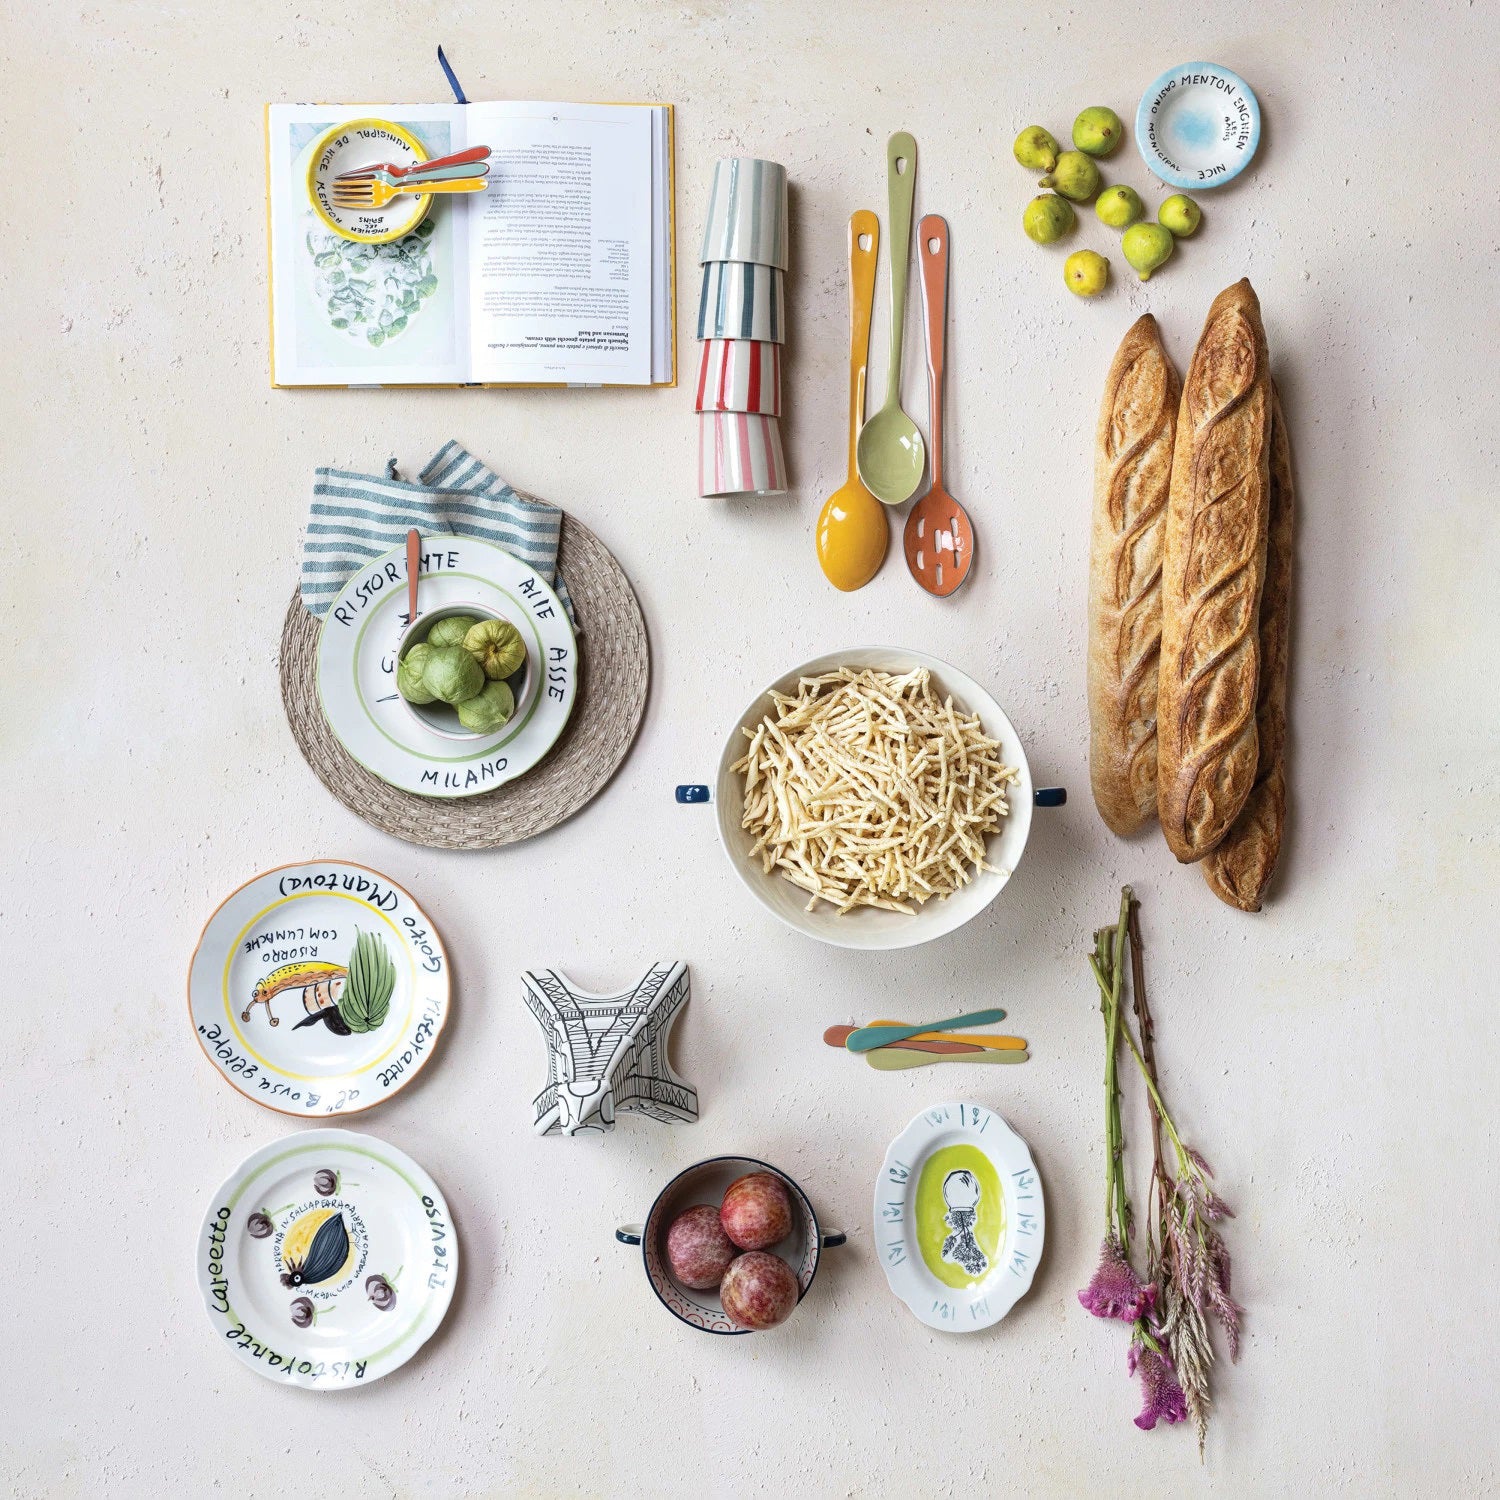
(852, 532)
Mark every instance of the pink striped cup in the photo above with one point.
(739, 453)
(740, 375)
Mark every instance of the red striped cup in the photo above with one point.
(739, 453)
(740, 375)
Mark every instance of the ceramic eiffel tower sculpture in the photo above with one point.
(607, 1054)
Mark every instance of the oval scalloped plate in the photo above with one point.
(327, 1260)
(959, 1219)
(319, 989)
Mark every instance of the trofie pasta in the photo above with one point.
(867, 789)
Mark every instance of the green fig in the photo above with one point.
(488, 710)
(1179, 214)
(1075, 176)
(1086, 272)
(1119, 206)
(1147, 246)
(1036, 149)
(497, 646)
(409, 674)
(451, 630)
(1098, 130)
(451, 674)
(1048, 218)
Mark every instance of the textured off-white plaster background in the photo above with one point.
(1335, 1056)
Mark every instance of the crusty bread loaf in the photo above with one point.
(1213, 568)
(1240, 869)
(1132, 474)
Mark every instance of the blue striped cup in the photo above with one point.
(747, 212)
(739, 300)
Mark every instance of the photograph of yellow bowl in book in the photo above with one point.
(560, 273)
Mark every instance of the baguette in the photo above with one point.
(1240, 869)
(1213, 569)
(1132, 474)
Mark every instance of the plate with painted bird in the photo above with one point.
(327, 1259)
(319, 989)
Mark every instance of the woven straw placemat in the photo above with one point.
(613, 670)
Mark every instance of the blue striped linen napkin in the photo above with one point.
(358, 517)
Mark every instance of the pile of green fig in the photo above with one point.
(1073, 177)
(464, 661)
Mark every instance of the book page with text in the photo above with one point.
(560, 259)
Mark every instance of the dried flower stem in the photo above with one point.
(1187, 1261)
(1147, 1028)
(1109, 970)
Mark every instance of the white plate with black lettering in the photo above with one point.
(327, 1260)
(959, 1220)
(319, 989)
(357, 668)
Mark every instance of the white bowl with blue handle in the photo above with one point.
(869, 927)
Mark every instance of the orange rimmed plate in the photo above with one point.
(319, 989)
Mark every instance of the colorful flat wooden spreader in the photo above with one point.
(836, 1036)
(956, 1042)
(867, 1038)
(971, 1038)
(897, 1059)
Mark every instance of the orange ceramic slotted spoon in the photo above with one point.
(938, 539)
(852, 532)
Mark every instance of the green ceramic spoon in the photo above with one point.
(892, 1060)
(867, 1038)
(890, 451)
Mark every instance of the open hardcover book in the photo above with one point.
(560, 273)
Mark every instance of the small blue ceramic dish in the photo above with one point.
(1198, 126)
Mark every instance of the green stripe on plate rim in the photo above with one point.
(325, 1150)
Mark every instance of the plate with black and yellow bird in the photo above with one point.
(327, 1259)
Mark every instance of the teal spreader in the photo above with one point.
(868, 1038)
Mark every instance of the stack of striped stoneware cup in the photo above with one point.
(741, 328)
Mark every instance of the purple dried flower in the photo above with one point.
(1214, 1208)
(1160, 1390)
(1225, 1307)
(1115, 1290)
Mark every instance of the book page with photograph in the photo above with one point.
(348, 313)
(560, 248)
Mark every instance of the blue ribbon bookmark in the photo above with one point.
(452, 78)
